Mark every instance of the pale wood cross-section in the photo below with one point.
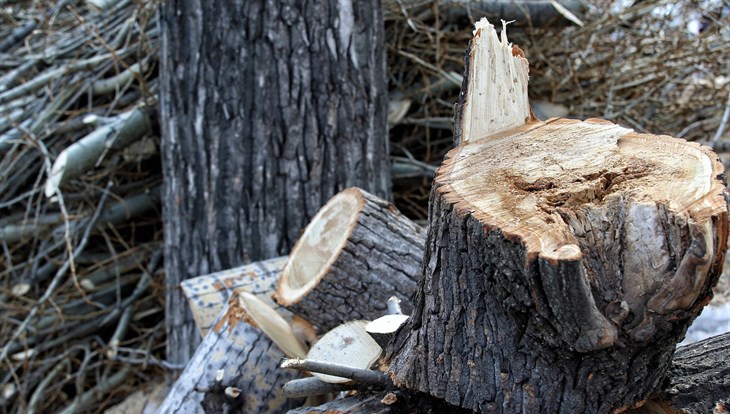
(564, 260)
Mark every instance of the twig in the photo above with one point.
(106, 384)
(40, 390)
(57, 278)
(307, 387)
(85, 153)
(364, 376)
(723, 123)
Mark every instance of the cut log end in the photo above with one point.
(355, 253)
(319, 246)
(348, 344)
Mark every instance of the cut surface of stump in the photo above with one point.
(564, 260)
(357, 252)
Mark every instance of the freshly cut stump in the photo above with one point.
(564, 262)
(240, 353)
(357, 252)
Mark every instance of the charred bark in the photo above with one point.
(269, 109)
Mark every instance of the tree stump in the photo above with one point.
(357, 252)
(564, 259)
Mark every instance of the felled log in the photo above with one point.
(564, 259)
(699, 380)
(389, 401)
(356, 253)
(207, 295)
(235, 368)
(533, 13)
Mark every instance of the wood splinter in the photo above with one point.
(241, 352)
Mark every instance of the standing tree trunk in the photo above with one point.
(269, 108)
(564, 259)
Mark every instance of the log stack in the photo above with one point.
(564, 259)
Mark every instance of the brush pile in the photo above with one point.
(81, 314)
(79, 188)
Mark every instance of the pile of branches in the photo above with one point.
(80, 290)
(81, 312)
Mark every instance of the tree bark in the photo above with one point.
(237, 354)
(699, 381)
(269, 109)
(355, 254)
(564, 259)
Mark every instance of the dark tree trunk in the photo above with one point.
(269, 108)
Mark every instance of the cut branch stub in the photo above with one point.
(564, 261)
(356, 253)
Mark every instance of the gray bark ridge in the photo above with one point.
(380, 259)
(699, 380)
(250, 362)
(268, 109)
(479, 339)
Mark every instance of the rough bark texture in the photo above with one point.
(269, 108)
(381, 258)
(700, 376)
(207, 295)
(564, 259)
(250, 362)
